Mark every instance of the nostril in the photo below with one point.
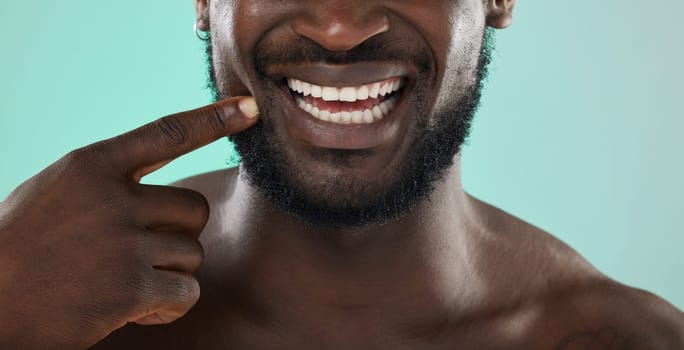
(340, 32)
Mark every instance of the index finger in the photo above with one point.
(169, 137)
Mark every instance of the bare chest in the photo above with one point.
(219, 327)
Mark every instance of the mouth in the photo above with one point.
(344, 107)
(362, 104)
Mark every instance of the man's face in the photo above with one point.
(363, 104)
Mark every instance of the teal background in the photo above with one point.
(579, 132)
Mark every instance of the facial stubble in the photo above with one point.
(345, 202)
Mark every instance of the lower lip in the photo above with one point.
(306, 129)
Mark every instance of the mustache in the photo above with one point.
(379, 48)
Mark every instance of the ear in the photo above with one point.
(202, 10)
(499, 13)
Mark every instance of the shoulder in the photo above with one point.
(602, 313)
(523, 260)
(653, 321)
(561, 299)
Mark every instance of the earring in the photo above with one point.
(202, 35)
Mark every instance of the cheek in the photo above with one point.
(461, 59)
(453, 30)
(240, 26)
(231, 32)
(466, 40)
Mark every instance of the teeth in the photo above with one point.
(383, 107)
(362, 93)
(375, 90)
(383, 89)
(365, 116)
(345, 117)
(347, 93)
(316, 91)
(330, 94)
(324, 115)
(377, 112)
(368, 116)
(397, 85)
(357, 117)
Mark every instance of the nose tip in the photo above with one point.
(341, 29)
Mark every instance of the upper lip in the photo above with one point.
(340, 75)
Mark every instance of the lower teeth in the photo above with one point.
(366, 116)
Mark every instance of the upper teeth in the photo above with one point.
(346, 94)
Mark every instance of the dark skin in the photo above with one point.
(453, 273)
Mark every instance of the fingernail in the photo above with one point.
(249, 107)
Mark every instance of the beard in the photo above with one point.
(341, 202)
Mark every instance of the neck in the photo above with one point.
(420, 262)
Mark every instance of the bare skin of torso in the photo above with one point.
(506, 285)
(91, 256)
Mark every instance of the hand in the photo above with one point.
(85, 248)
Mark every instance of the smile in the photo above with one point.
(363, 104)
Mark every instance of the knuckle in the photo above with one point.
(73, 157)
(186, 253)
(195, 205)
(89, 156)
(196, 252)
(183, 293)
(173, 130)
(199, 206)
(215, 118)
(186, 290)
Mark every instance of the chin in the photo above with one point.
(356, 168)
